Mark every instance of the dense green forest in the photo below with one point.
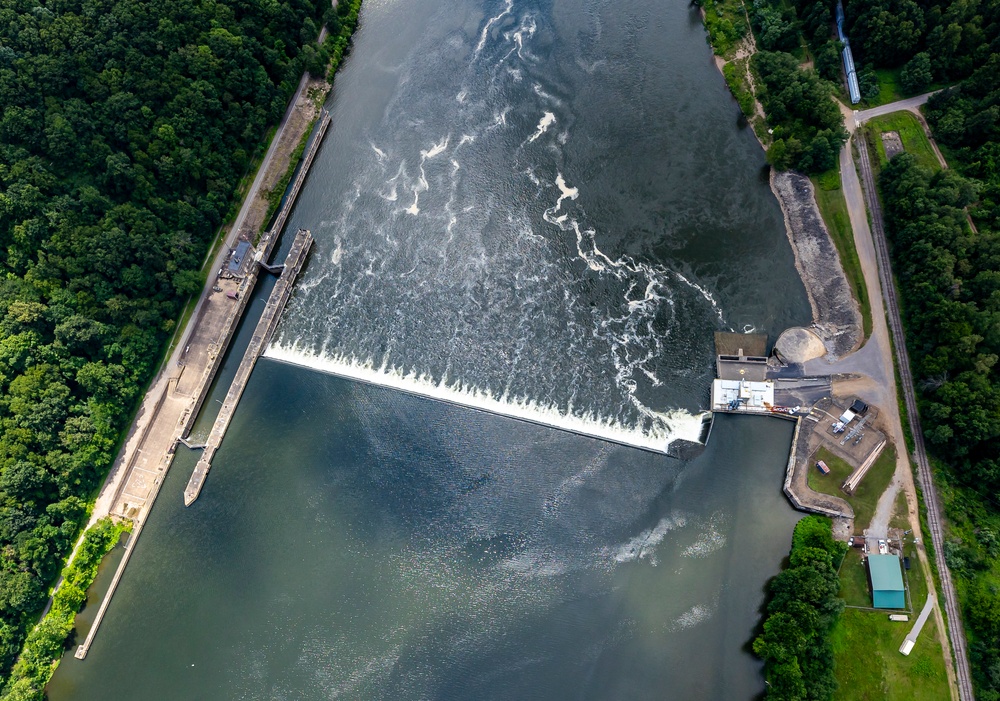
(949, 277)
(806, 126)
(125, 127)
(801, 612)
(942, 40)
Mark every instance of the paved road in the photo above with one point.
(910, 104)
(923, 471)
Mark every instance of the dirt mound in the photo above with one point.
(797, 345)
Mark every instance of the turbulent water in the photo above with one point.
(510, 233)
(540, 209)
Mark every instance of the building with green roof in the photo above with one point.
(887, 582)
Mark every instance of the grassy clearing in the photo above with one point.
(912, 133)
(833, 209)
(866, 655)
(889, 88)
(868, 664)
(865, 498)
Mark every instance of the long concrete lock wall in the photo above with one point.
(262, 334)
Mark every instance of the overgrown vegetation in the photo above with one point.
(909, 47)
(125, 128)
(808, 126)
(803, 608)
(736, 78)
(277, 193)
(725, 22)
(46, 642)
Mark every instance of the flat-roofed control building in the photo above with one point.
(886, 577)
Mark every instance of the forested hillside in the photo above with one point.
(949, 276)
(125, 126)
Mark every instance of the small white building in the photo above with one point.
(742, 396)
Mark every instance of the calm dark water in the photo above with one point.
(392, 547)
(541, 209)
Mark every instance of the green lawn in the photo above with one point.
(869, 666)
(865, 498)
(911, 132)
(833, 209)
(854, 580)
(866, 644)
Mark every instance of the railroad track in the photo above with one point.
(955, 630)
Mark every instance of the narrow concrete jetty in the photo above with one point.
(262, 334)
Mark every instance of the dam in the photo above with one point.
(358, 541)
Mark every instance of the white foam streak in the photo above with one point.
(693, 616)
(704, 293)
(565, 191)
(644, 545)
(489, 25)
(656, 437)
(543, 126)
(422, 186)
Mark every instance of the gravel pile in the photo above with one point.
(836, 317)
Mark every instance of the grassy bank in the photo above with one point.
(276, 193)
(865, 498)
(46, 642)
(833, 209)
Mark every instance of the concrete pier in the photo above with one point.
(262, 334)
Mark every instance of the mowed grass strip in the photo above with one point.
(865, 497)
(833, 209)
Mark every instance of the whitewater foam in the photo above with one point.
(547, 120)
(670, 426)
(693, 616)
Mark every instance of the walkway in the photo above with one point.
(922, 618)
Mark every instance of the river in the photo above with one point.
(543, 210)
